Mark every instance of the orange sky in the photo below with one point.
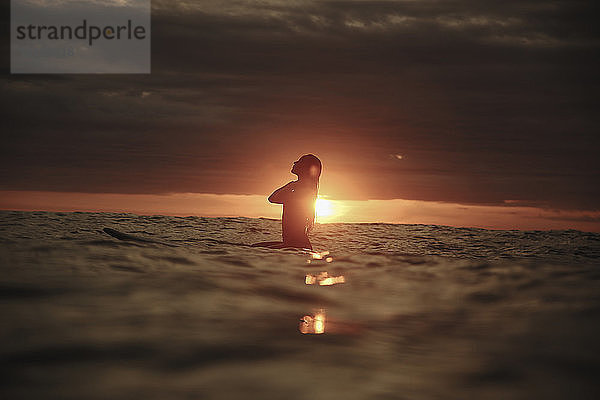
(391, 211)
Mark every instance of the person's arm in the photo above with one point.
(282, 194)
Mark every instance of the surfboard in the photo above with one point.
(127, 237)
(132, 238)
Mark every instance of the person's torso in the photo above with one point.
(298, 213)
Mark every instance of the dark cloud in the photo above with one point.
(486, 101)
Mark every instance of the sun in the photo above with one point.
(324, 208)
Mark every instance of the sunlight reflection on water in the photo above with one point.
(324, 279)
(313, 324)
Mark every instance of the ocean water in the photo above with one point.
(377, 311)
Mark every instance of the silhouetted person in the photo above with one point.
(298, 199)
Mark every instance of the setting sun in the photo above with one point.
(324, 208)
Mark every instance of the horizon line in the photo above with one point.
(395, 211)
(279, 219)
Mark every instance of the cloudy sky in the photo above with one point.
(477, 103)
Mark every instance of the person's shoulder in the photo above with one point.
(304, 188)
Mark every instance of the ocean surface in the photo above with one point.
(377, 311)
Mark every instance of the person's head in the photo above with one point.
(307, 167)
